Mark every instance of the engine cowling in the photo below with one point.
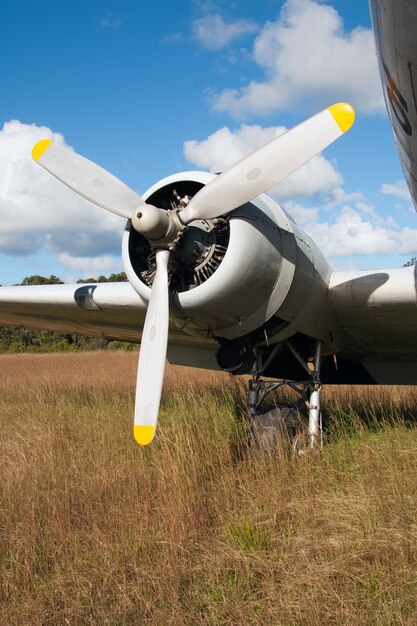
(232, 276)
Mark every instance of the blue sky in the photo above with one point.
(148, 89)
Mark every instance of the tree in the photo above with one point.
(113, 278)
(411, 262)
(36, 279)
(116, 278)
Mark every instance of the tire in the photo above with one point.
(275, 426)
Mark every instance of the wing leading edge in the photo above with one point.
(110, 310)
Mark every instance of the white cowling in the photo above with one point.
(268, 269)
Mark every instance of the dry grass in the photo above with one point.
(193, 529)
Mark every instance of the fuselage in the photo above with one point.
(395, 28)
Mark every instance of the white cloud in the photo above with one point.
(225, 147)
(407, 240)
(213, 33)
(88, 264)
(17, 244)
(339, 196)
(300, 214)
(398, 190)
(351, 233)
(172, 38)
(110, 21)
(37, 210)
(317, 176)
(307, 55)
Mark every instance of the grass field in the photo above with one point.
(194, 529)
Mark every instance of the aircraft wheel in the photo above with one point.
(277, 427)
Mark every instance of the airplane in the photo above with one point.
(221, 277)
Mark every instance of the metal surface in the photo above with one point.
(395, 28)
(269, 268)
(120, 313)
(376, 313)
(270, 164)
(152, 354)
(87, 178)
(314, 421)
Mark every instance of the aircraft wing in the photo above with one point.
(376, 315)
(110, 310)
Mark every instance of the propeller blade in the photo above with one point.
(87, 178)
(152, 354)
(270, 164)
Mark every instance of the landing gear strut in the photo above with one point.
(269, 422)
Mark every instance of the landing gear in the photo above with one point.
(300, 421)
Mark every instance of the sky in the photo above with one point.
(151, 89)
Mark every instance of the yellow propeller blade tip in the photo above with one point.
(344, 115)
(40, 147)
(143, 434)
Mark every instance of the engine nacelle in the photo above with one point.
(233, 275)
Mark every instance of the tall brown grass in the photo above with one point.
(194, 529)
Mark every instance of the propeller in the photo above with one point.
(152, 354)
(270, 164)
(87, 178)
(237, 185)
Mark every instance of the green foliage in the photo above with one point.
(247, 536)
(36, 279)
(113, 278)
(33, 340)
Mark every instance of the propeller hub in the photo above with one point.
(151, 222)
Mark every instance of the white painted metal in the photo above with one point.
(262, 169)
(375, 318)
(314, 421)
(151, 222)
(314, 418)
(376, 312)
(253, 279)
(90, 180)
(306, 306)
(270, 268)
(153, 347)
(120, 313)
